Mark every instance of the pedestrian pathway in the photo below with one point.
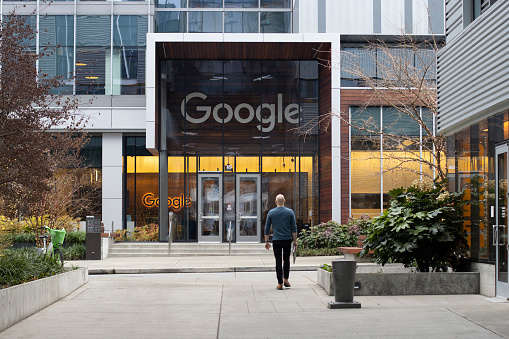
(247, 305)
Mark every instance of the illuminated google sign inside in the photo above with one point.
(290, 113)
(149, 200)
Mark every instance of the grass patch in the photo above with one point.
(18, 266)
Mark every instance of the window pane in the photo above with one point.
(56, 30)
(241, 3)
(128, 71)
(93, 30)
(365, 121)
(205, 22)
(171, 22)
(275, 22)
(205, 3)
(59, 63)
(276, 3)
(92, 65)
(241, 22)
(129, 30)
(399, 123)
(171, 3)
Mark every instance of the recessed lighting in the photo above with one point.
(265, 77)
(80, 64)
(214, 78)
(260, 137)
(91, 77)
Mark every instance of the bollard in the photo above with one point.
(343, 275)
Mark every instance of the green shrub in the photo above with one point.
(27, 237)
(74, 252)
(316, 252)
(18, 266)
(423, 227)
(76, 237)
(327, 235)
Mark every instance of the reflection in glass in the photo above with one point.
(128, 76)
(92, 69)
(276, 3)
(129, 30)
(210, 206)
(248, 206)
(205, 3)
(502, 218)
(241, 22)
(275, 22)
(59, 63)
(241, 3)
(171, 22)
(205, 22)
(171, 3)
(56, 30)
(93, 30)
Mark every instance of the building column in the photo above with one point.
(112, 181)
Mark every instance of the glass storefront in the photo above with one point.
(471, 164)
(233, 144)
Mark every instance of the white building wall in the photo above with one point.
(112, 181)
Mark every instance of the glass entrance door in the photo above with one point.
(248, 205)
(500, 229)
(210, 212)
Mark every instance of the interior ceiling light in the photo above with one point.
(214, 78)
(265, 77)
(91, 77)
(260, 137)
(80, 64)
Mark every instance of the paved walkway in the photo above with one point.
(247, 305)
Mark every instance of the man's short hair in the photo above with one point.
(280, 199)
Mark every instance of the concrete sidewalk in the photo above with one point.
(247, 305)
(196, 264)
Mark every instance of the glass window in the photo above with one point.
(92, 65)
(93, 30)
(205, 22)
(128, 71)
(60, 62)
(205, 3)
(171, 3)
(275, 22)
(276, 3)
(129, 30)
(171, 22)
(241, 3)
(92, 152)
(396, 122)
(241, 22)
(56, 30)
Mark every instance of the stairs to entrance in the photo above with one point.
(157, 249)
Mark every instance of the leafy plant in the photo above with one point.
(18, 266)
(326, 267)
(423, 227)
(74, 252)
(327, 235)
(316, 252)
(76, 237)
(145, 233)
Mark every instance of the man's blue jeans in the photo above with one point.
(282, 247)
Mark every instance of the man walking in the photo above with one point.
(284, 229)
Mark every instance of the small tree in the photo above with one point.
(31, 153)
(422, 228)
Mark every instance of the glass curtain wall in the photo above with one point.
(379, 163)
(471, 164)
(228, 16)
(238, 118)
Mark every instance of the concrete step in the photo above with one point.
(156, 249)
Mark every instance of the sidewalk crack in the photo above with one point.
(220, 311)
(473, 322)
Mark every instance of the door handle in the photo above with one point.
(201, 218)
(495, 235)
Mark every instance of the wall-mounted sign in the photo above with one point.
(244, 113)
(149, 200)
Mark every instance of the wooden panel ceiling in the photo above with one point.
(243, 50)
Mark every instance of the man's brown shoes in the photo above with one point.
(279, 287)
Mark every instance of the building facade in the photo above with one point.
(473, 101)
(202, 104)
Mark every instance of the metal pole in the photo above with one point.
(230, 238)
(170, 235)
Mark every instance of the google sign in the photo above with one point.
(290, 113)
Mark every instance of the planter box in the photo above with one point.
(407, 283)
(21, 301)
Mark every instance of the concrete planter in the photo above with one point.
(21, 301)
(407, 283)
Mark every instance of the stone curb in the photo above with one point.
(192, 270)
(21, 301)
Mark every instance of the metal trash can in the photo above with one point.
(93, 238)
(343, 275)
